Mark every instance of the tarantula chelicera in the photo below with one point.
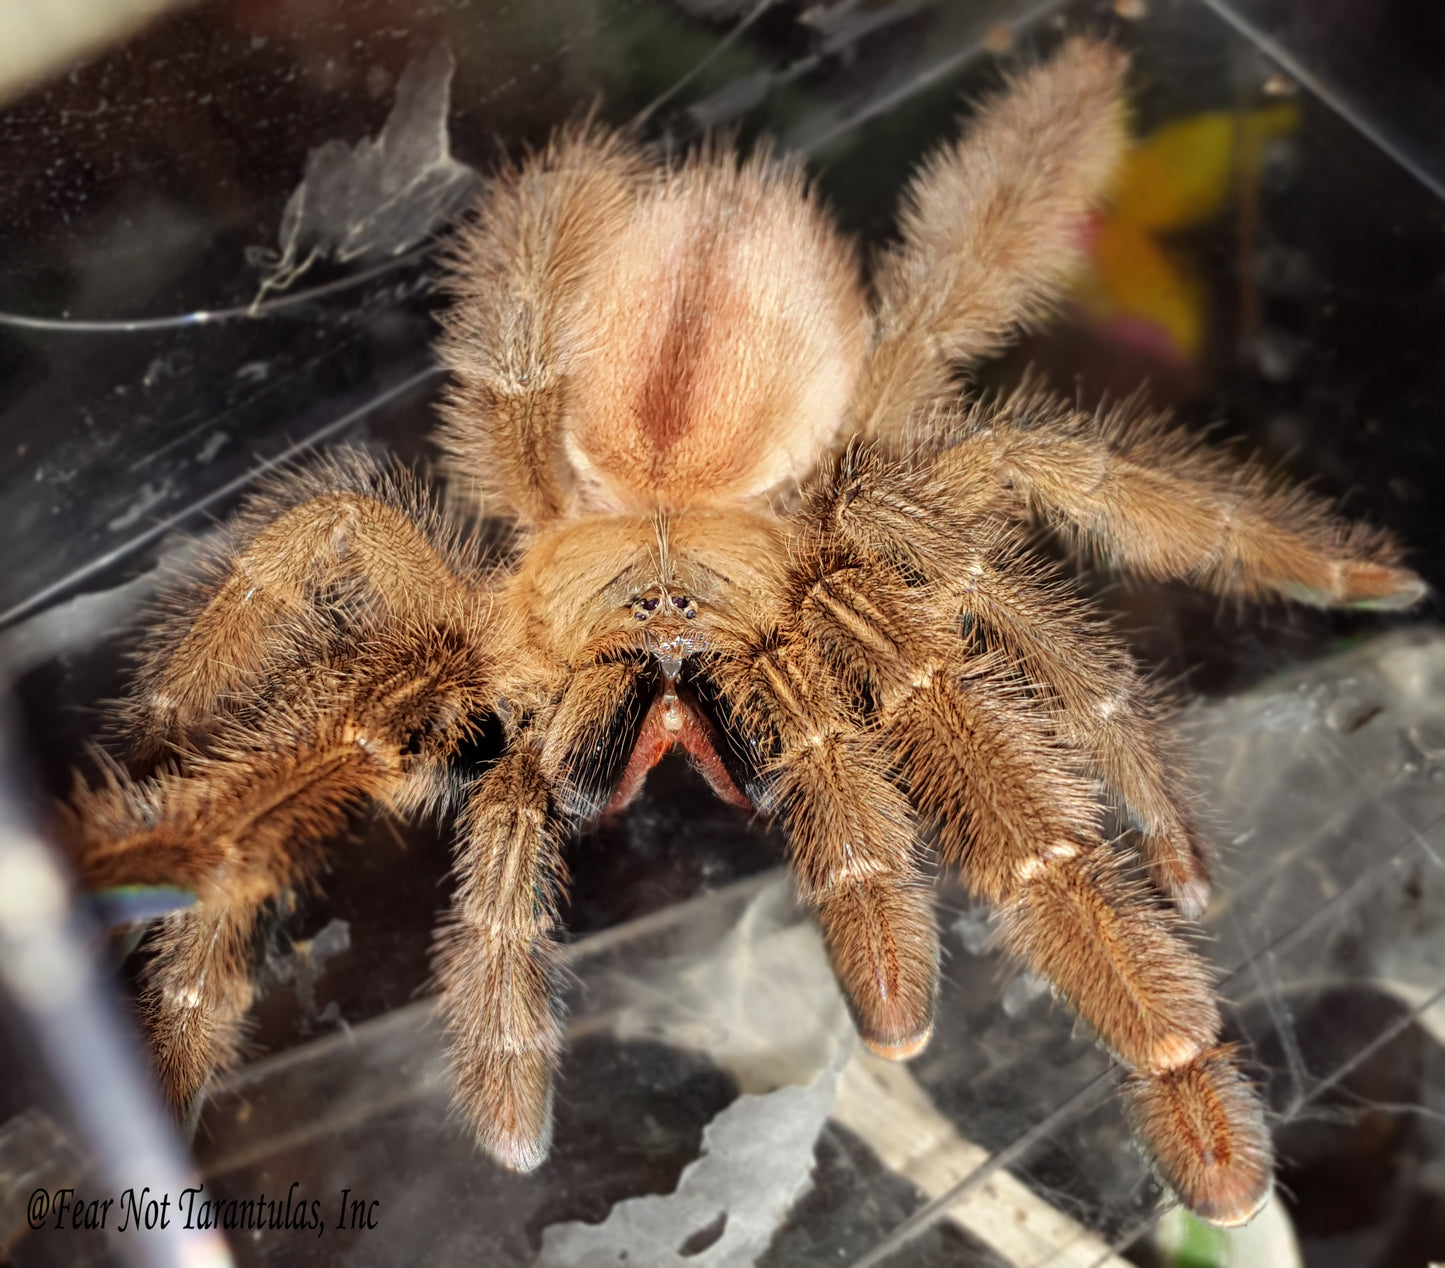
(757, 517)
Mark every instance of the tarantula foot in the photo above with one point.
(1370, 587)
(1206, 1127)
(884, 947)
(1383, 589)
(510, 1104)
(895, 1028)
(1192, 897)
(1185, 882)
(900, 1049)
(517, 1151)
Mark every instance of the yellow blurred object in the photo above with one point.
(1179, 177)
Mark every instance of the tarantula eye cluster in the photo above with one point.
(643, 608)
(676, 381)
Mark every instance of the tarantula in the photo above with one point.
(756, 516)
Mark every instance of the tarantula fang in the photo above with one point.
(757, 516)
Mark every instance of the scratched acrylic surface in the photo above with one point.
(178, 312)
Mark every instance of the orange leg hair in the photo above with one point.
(850, 831)
(344, 531)
(512, 337)
(993, 228)
(1152, 499)
(1077, 669)
(246, 819)
(497, 960)
(1000, 777)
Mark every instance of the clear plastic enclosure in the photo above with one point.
(222, 222)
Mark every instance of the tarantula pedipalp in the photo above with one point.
(757, 520)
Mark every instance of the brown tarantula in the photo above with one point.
(755, 517)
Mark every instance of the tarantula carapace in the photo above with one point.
(756, 516)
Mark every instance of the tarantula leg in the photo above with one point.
(993, 227)
(1024, 835)
(512, 337)
(983, 768)
(246, 818)
(497, 961)
(1154, 500)
(237, 829)
(195, 995)
(1206, 1127)
(1121, 965)
(1103, 706)
(498, 964)
(1074, 917)
(852, 839)
(908, 571)
(348, 521)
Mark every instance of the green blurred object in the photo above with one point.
(1267, 1241)
(126, 904)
